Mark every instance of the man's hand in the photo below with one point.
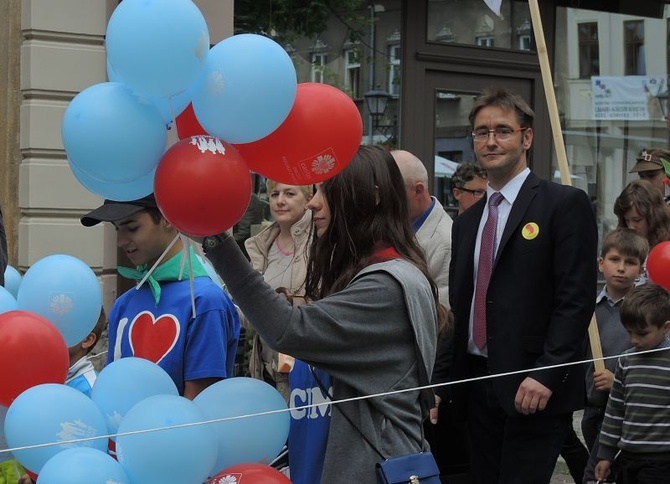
(434, 410)
(531, 396)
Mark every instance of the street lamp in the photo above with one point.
(376, 101)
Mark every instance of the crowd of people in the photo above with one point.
(362, 284)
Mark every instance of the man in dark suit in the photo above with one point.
(534, 311)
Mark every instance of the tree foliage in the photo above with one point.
(288, 19)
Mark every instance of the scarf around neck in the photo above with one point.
(170, 270)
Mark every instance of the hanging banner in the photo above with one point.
(494, 5)
(631, 98)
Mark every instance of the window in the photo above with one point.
(523, 35)
(318, 67)
(394, 70)
(352, 72)
(485, 41)
(589, 50)
(634, 48)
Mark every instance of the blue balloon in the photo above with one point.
(12, 280)
(7, 301)
(52, 414)
(124, 383)
(132, 190)
(157, 46)
(83, 465)
(250, 439)
(181, 455)
(64, 290)
(112, 134)
(170, 107)
(247, 90)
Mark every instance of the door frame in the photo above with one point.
(428, 66)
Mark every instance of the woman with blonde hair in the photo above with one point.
(279, 252)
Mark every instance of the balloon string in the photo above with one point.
(174, 118)
(148, 274)
(320, 404)
(186, 256)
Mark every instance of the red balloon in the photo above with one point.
(658, 264)
(251, 473)
(188, 125)
(202, 185)
(317, 140)
(32, 352)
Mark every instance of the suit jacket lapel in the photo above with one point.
(519, 208)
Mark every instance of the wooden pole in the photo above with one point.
(561, 155)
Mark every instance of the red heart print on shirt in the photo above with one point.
(152, 338)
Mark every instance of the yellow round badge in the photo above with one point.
(530, 231)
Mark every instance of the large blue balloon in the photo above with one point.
(181, 455)
(132, 190)
(124, 383)
(64, 290)
(249, 439)
(170, 107)
(50, 414)
(157, 46)
(83, 465)
(12, 280)
(7, 301)
(112, 134)
(247, 90)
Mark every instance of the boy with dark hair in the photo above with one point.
(190, 332)
(621, 261)
(82, 374)
(638, 409)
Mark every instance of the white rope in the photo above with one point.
(320, 404)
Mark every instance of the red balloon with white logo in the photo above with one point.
(317, 140)
(249, 474)
(202, 185)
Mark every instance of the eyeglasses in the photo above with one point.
(502, 133)
(475, 193)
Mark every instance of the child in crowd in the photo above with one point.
(638, 409)
(621, 260)
(82, 374)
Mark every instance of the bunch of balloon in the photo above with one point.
(115, 133)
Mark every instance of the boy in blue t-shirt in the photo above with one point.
(191, 332)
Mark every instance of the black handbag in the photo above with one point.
(417, 468)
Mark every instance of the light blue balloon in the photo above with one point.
(157, 46)
(112, 134)
(64, 290)
(183, 455)
(132, 190)
(170, 107)
(83, 465)
(124, 383)
(12, 280)
(247, 90)
(250, 439)
(51, 414)
(7, 301)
